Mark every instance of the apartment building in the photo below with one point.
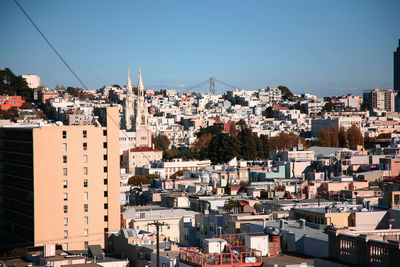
(330, 122)
(383, 100)
(60, 184)
(33, 81)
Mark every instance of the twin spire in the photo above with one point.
(140, 83)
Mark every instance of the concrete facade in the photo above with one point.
(67, 189)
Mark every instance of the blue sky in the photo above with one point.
(320, 47)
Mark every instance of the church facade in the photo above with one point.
(135, 129)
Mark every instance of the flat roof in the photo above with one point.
(287, 259)
(318, 231)
(166, 213)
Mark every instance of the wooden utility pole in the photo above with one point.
(157, 224)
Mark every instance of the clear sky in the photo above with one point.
(320, 47)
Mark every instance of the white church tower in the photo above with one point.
(129, 103)
(141, 110)
(135, 129)
(141, 117)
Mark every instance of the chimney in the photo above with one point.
(281, 224)
(302, 224)
(327, 210)
(391, 221)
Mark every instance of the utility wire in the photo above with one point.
(49, 43)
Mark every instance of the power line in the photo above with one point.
(49, 43)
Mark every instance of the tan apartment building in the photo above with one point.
(60, 184)
(139, 157)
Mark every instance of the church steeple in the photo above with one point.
(140, 85)
(128, 104)
(128, 85)
(141, 113)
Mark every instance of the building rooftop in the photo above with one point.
(348, 208)
(144, 149)
(287, 259)
(315, 231)
(165, 214)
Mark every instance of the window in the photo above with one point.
(105, 181)
(105, 156)
(64, 134)
(64, 147)
(85, 170)
(105, 206)
(85, 196)
(64, 159)
(85, 159)
(85, 183)
(86, 244)
(105, 218)
(396, 199)
(65, 184)
(84, 146)
(65, 209)
(104, 144)
(86, 220)
(106, 230)
(105, 169)
(104, 132)
(65, 171)
(65, 196)
(65, 234)
(85, 232)
(84, 134)
(85, 207)
(65, 221)
(105, 193)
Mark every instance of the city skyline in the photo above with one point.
(310, 47)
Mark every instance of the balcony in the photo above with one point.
(194, 257)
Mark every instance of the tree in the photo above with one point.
(283, 141)
(242, 124)
(27, 105)
(354, 136)
(229, 205)
(137, 180)
(209, 129)
(223, 148)
(232, 128)
(177, 174)
(286, 93)
(342, 136)
(200, 146)
(161, 142)
(269, 112)
(335, 136)
(8, 114)
(263, 146)
(10, 84)
(324, 138)
(74, 91)
(172, 154)
(248, 149)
